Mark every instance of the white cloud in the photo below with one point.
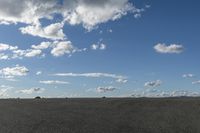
(38, 72)
(13, 52)
(188, 75)
(57, 48)
(52, 31)
(89, 13)
(121, 80)
(153, 83)
(53, 82)
(33, 52)
(4, 47)
(94, 46)
(4, 56)
(172, 48)
(11, 72)
(62, 48)
(42, 45)
(20, 54)
(118, 78)
(26, 11)
(92, 75)
(98, 46)
(31, 91)
(105, 89)
(196, 82)
(102, 46)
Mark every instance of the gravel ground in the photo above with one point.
(125, 115)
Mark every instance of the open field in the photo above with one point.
(127, 115)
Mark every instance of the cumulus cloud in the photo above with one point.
(57, 48)
(88, 13)
(26, 11)
(188, 75)
(33, 53)
(20, 54)
(31, 91)
(4, 47)
(153, 83)
(91, 13)
(4, 56)
(52, 31)
(42, 45)
(62, 48)
(105, 89)
(13, 52)
(172, 48)
(53, 82)
(11, 72)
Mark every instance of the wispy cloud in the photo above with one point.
(53, 82)
(31, 91)
(119, 78)
(159, 93)
(188, 75)
(105, 89)
(196, 82)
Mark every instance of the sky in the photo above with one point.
(93, 48)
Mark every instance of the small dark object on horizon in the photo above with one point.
(103, 97)
(38, 97)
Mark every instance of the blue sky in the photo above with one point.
(90, 48)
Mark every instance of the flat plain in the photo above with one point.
(100, 115)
